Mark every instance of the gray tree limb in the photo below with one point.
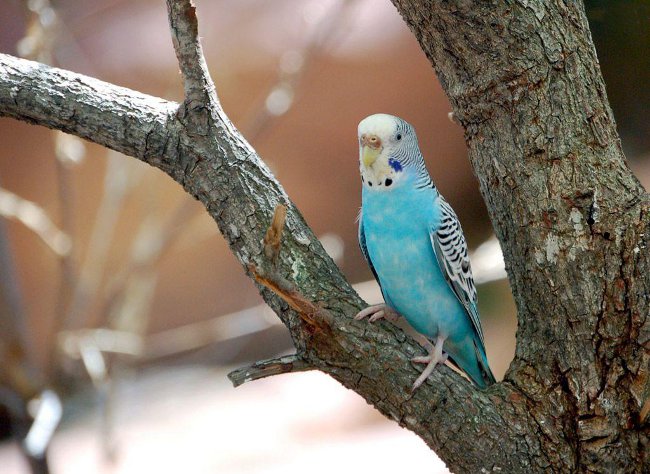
(267, 368)
(524, 83)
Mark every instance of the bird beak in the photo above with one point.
(370, 149)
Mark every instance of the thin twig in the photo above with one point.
(197, 83)
(273, 236)
(203, 333)
(68, 262)
(116, 187)
(279, 98)
(157, 237)
(267, 368)
(13, 327)
(35, 219)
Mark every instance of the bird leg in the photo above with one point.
(378, 311)
(435, 357)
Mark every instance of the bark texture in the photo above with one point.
(524, 81)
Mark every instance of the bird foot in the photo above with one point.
(435, 357)
(377, 312)
(428, 359)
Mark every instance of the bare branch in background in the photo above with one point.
(46, 410)
(569, 402)
(42, 29)
(154, 239)
(69, 152)
(35, 219)
(487, 262)
(119, 178)
(203, 333)
(292, 68)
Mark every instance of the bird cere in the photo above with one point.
(416, 250)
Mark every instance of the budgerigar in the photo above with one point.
(414, 245)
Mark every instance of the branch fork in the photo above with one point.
(515, 426)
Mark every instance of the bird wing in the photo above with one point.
(366, 255)
(450, 249)
(364, 248)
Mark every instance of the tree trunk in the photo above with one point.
(524, 82)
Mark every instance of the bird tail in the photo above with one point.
(478, 370)
(486, 377)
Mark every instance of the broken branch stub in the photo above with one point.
(266, 273)
(273, 237)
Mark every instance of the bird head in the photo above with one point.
(387, 145)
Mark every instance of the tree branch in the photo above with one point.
(532, 102)
(198, 85)
(121, 119)
(222, 170)
(524, 82)
(267, 368)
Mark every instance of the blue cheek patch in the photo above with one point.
(396, 165)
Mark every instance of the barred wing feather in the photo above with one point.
(450, 249)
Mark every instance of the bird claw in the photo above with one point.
(434, 358)
(367, 312)
(377, 312)
(427, 359)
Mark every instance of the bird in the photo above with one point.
(414, 245)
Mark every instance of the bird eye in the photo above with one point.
(399, 136)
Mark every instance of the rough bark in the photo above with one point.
(524, 82)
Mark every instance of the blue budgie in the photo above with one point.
(414, 245)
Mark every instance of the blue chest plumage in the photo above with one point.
(397, 224)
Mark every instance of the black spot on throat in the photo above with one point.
(389, 181)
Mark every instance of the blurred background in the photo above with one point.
(121, 308)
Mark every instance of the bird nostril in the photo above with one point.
(373, 141)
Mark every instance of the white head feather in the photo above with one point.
(382, 138)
